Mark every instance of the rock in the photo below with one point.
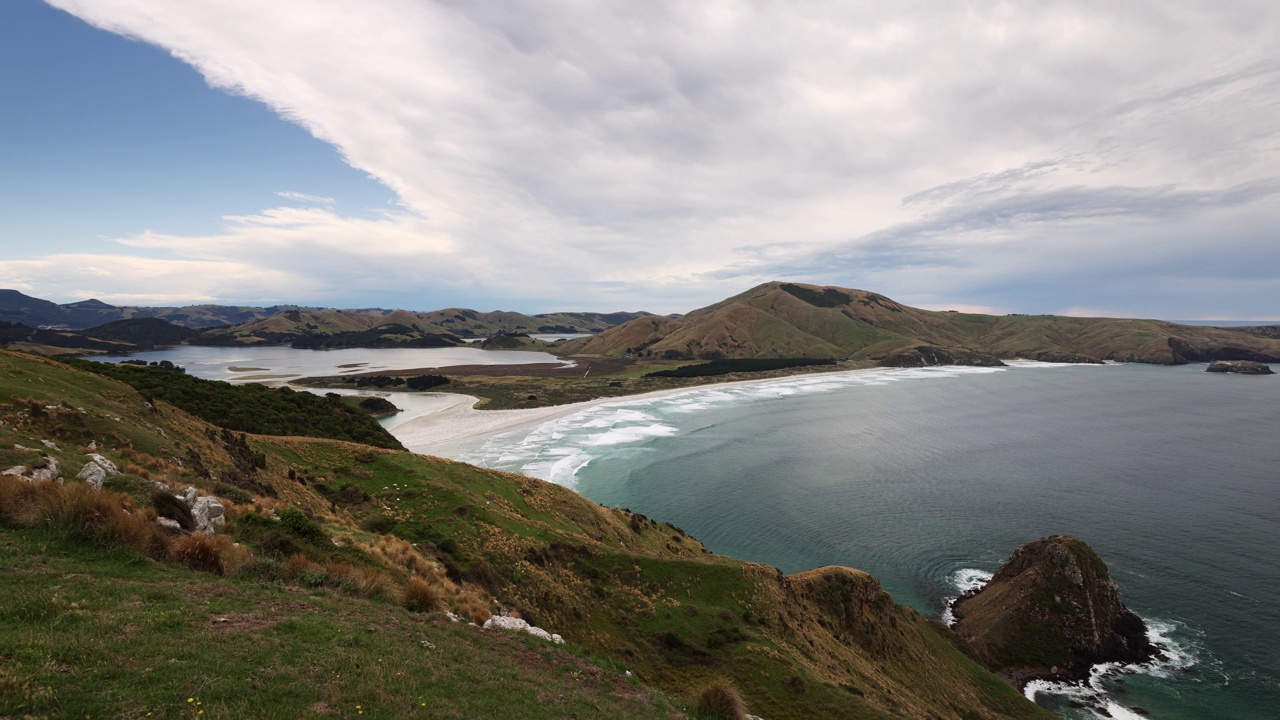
(93, 474)
(502, 622)
(1242, 367)
(1051, 611)
(18, 470)
(49, 469)
(51, 445)
(208, 514)
(189, 497)
(104, 463)
(929, 355)
(170, 527)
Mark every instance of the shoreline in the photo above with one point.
(454, 419)
(439, 431)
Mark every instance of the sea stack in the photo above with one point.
(1243, 367)
(1051, 611)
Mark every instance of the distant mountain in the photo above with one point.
(19, 308)
(34, 312)
(791, 320)
(306, 329)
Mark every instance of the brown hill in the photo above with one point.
(790, 320)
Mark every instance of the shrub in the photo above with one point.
(720, 701)
(300, 525)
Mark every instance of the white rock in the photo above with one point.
(104, 463)
(51, 445)
(208, 514)
(189, 497)
(93, 474)
(503, 622)
(51, 470)
(509, 623)
(170, 526)
(18, 470)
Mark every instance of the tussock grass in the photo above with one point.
(418, 595)
(215, 554)
(76, 510)
(720, 701)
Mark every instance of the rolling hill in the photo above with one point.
(791, 320)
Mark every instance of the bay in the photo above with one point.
(928, 477)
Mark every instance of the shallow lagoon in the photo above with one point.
(281, 364)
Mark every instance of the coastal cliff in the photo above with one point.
(1051, 611)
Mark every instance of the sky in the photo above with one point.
(1089, 158)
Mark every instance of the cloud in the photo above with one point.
(118, 279)
(632, 152)
(305, 198)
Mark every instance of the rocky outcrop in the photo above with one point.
(188, 511)
(46, 469)
(929, 355)
(1051, 611)
(503, 622)
(1242, 367)
(97, 470)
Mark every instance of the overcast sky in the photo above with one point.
(1085, 157)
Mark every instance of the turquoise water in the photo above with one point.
(927, 478)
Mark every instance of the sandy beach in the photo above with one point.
(454, 420)
(440, 426)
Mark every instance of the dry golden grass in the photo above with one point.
(208, 553)
(107, 517)
(471, 605)
(720, 701)
(418, 595)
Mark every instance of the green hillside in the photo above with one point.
(349, 558)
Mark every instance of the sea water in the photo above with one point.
(929, 478)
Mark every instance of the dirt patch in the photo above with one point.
(227, 623)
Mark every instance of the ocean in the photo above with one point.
(929, 478)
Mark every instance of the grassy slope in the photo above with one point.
(631, 592)
(791, 320)
(92, 633)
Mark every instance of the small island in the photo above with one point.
(1241, 367)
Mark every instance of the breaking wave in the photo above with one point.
(558, 449)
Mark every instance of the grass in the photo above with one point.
(92, 633)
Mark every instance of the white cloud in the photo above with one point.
(124, 279)
(626, 152)
(305, 198)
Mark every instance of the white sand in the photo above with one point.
(445, 425)
(455, 420)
